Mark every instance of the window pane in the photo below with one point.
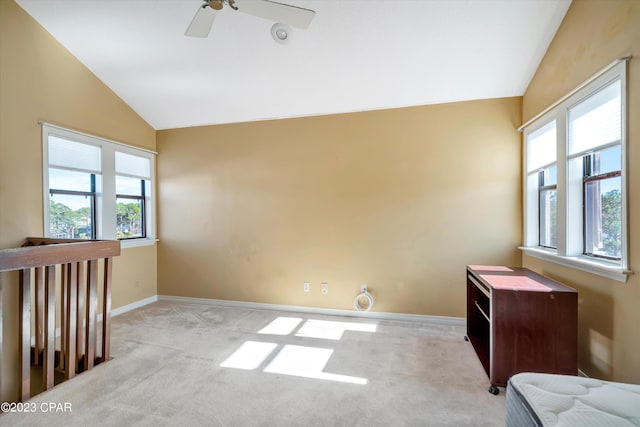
(541, 147)
(73, 155)
(603, 213)
(61, 179)
(551, 175)
(129, 218)
(609, 160)
(596, 120)
(547, 236)
(128, 186)
(70, 217)
(137, 166)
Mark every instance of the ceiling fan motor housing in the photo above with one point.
(273, 11)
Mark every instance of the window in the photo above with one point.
(95, 188)
(132, 185)
(595, 137)
(74, 169)
(72, 204)
(547, 207)
(602, 203)
(575, 192)
(130, 208)
(542, 176)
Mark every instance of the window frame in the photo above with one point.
(105, 197)
(587, 178)
(571, 238)
(92, 194)
(143, 211)
(542, 187)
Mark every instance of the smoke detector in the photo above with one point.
(281, 33)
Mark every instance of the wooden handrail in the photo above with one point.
(38, 252)
(78, 302)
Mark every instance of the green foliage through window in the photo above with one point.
(129, 220)
(612, 222)
(66, 223)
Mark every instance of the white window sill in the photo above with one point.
(134, 243)
(602, 268)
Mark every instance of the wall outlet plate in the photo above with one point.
(324, 288)
(363, 287)
(306, 287)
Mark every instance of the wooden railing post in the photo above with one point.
(39, 315)
(92, 305)
(71, 363)
(49, 326)
(80, 315)
(24, 326)
(106, 310)
(64, 278)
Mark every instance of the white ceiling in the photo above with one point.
(356, 55)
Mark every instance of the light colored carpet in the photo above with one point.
(315, 371)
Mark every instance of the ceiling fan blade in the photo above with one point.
(277, 12)
(202, 21)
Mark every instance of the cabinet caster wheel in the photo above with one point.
(466, 338)
(494, 390)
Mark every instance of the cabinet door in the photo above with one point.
(533, 332)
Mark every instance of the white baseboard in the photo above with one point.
(136, 304)
(453, 321)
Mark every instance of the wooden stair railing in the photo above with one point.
(78, 300)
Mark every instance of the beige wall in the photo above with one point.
(40, 80)
(399, 199)
(592, 35)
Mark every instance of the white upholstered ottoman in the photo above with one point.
(545, 400)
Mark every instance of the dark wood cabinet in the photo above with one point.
(520, 321)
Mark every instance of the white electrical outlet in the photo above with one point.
(363, 287)
(324, 288)
(307, 287)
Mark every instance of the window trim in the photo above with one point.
(569, 252)
(105, 225)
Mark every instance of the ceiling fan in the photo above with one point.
(278, 12)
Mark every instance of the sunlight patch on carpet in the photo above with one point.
(297, 360)
(307, 362)
(331, 330)
(281, 326)
(249, 355)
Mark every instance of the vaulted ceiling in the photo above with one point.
(355, 55)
